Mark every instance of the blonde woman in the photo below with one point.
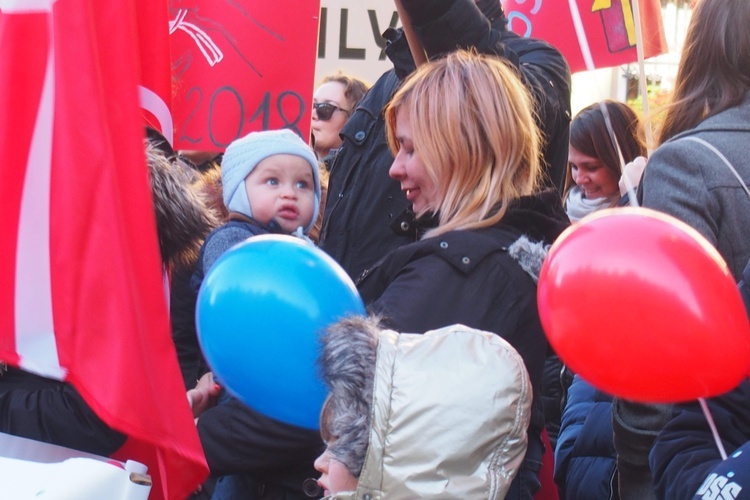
(467, 156)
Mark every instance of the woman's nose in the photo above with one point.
(397, 170)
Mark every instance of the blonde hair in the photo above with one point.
(473, 126)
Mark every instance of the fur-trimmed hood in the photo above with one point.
(183, 218)
(442, 415)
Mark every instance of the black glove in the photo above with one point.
(492, 9)
(425, 11)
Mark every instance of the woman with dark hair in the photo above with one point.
(704, 140)
(706, 125)
(584, 451)
(594, 162)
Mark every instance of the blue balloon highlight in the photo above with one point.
(260, 312)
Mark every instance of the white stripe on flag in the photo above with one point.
(26, 6)
(150, 101)
(35, 336)
(581, 34)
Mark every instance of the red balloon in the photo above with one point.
(643, 307)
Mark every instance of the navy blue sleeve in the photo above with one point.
(585, 454)
(685, 452)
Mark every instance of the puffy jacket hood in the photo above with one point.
(450, 411)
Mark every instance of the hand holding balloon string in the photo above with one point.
(204, 395)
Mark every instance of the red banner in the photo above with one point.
(241, 66)
(155, 90)
(81, 289)
(606, 30)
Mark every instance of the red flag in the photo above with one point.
(155, 90)
(606, 30)
(81, 285)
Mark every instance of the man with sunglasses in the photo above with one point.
(363, 202)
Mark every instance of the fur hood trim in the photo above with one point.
(182, 216)
(530, 255)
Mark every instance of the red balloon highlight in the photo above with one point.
(643, 307)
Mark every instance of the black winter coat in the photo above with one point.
(277, 456)
(469, 277)
(54, 412)
(274, 456)
(475, 278)
(362, 199)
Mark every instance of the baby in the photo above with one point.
(271, 184)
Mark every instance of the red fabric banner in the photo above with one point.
(241, 66)
(155, 91)
(81, 285)
(607, 28)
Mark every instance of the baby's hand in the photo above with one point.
(204, 395)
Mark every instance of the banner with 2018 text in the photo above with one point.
(247, 65)
(241, 66)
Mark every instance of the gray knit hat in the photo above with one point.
(244, 154)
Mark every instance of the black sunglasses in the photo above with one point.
(325, 110)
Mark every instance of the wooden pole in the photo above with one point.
(415, 46)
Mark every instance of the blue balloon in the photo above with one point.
(260, 313)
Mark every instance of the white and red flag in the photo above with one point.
(81, 291)
(154, 51)
(591, 33)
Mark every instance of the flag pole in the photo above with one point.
(642, 84)
(415, 46)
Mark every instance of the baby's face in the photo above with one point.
(281, 187)
(334, 476)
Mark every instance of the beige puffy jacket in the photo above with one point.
(449, 417)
